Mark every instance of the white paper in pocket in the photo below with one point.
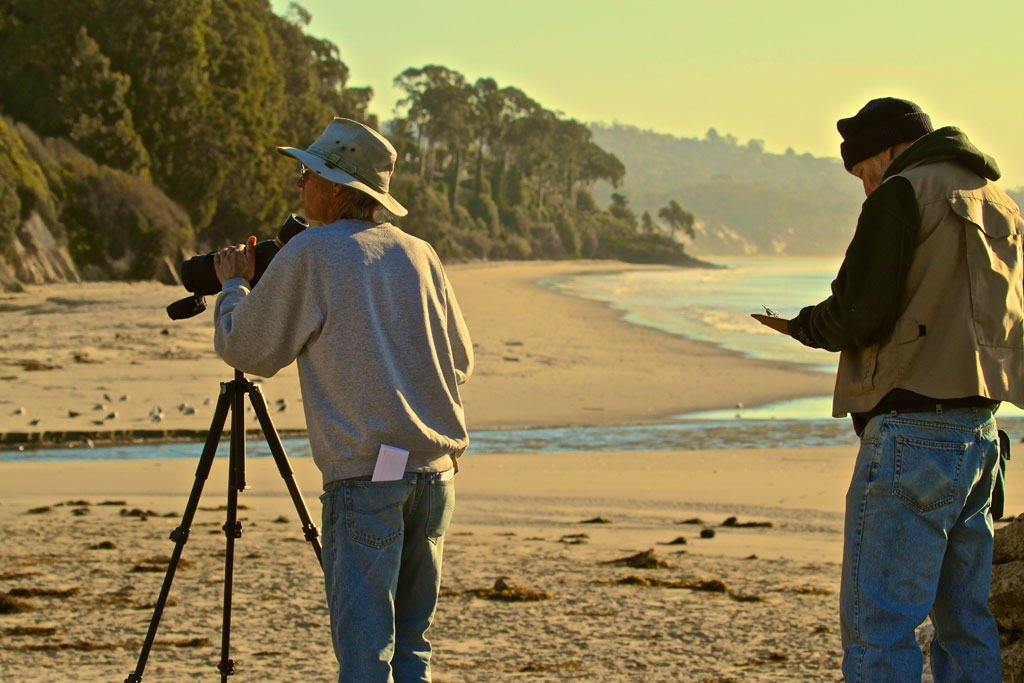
(391, 463)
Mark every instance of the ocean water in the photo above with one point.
(715, 305)
(710, 305)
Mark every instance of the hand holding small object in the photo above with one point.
(772, 320)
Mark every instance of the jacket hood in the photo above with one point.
(946, 143)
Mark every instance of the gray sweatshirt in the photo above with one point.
(381, 344)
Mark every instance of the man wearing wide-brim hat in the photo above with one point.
(369, 314)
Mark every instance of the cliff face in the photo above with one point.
(35, 257)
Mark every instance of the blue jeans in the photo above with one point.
(918, 543)
(382, 545)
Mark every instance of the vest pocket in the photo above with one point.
(992, 238)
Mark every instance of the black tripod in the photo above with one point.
(230, 399)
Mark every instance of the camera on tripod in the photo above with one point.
(199, 276)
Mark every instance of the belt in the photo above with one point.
(860, 420)
(939, 406)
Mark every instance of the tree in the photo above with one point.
(534, 152)
(620, 209)
(332, 74)
(37, 42)
(647, 223)
(677, 218)
(249, 93)
(162, 47)
(487, 117)
(598, 164)
(438, 103)
(93, 103)
(515, 105)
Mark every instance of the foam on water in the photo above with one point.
(715, 305)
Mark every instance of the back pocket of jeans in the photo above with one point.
(373, 512)
(441, 506)
(926, 472)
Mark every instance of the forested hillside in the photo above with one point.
(749, 201)
(140, 130)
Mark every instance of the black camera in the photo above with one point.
(199, 276)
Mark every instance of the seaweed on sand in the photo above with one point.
(645, 560)
(45, 592)
(10, 605)
(708, 585)
(508, 592)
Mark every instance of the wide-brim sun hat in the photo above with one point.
(351, 154)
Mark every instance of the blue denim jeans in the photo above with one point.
(382, 545)
(918, 543)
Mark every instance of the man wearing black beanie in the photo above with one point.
(926, 312)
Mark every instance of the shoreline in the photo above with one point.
(101, 361)
(725, 377)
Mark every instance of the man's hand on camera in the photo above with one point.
(236, 261)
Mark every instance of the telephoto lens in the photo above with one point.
(199, 276)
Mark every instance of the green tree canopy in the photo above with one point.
(180, 105)
(677, 218)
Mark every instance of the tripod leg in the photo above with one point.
(180, 535)
(309, 529)
(232, 527)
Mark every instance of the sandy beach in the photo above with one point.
(104, 357)
(86, 543)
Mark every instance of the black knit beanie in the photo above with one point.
(880, 124)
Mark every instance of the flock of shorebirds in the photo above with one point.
(156, 413)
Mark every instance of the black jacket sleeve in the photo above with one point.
(866, 294)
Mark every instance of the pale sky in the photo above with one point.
(783, 71)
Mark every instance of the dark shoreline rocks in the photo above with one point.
(10, 441)
(1006, 596)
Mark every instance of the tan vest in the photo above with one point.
(961, 326)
